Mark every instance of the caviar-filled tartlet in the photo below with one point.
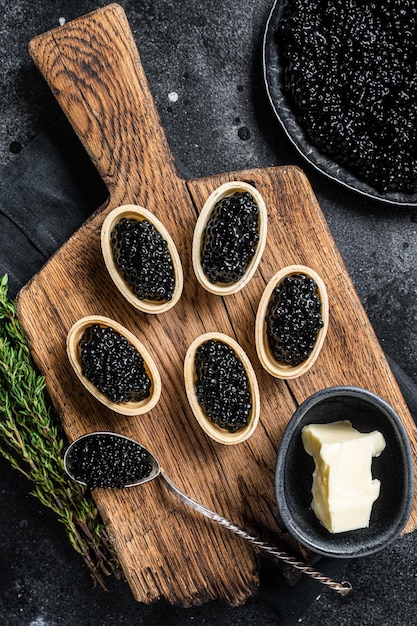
(222, 388)
(291, 321)
(142, 259)
(113, 365)
(229, 238)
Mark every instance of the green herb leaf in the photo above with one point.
(32, 440)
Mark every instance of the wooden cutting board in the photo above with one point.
(166, 550)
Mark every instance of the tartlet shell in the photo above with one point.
(221, 435)
(125, 408)
(273, 367)
(139, 213)
(224, 289)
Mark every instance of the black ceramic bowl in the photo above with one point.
(273, 71)
(394, 468)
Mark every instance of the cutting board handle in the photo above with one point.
(93, 68)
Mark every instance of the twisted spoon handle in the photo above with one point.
(342, 588)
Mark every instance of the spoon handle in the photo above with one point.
(342, 588)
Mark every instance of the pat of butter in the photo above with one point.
(343, 489)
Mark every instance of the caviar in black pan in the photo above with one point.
(113, 365)
(230, 238)
(105, 460)
(349, 73)
(222, 385)
(293, 319)
(142, 256)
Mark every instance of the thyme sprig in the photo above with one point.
(33, 441)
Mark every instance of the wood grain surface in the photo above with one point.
(166, 550)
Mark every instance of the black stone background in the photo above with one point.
(210, 54)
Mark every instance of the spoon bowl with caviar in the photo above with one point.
(112, 461)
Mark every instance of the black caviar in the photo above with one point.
(349, 73)
(106, 460)
(293, 319)
(142, 256)
(230, 238)
(113, 365)
(222, 386)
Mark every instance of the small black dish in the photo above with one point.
(394, 468)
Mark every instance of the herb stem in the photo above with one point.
(33, 441)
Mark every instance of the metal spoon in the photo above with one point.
(110, 460)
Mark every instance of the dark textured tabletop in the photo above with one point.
(203, 63)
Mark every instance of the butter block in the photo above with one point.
(343, 488)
